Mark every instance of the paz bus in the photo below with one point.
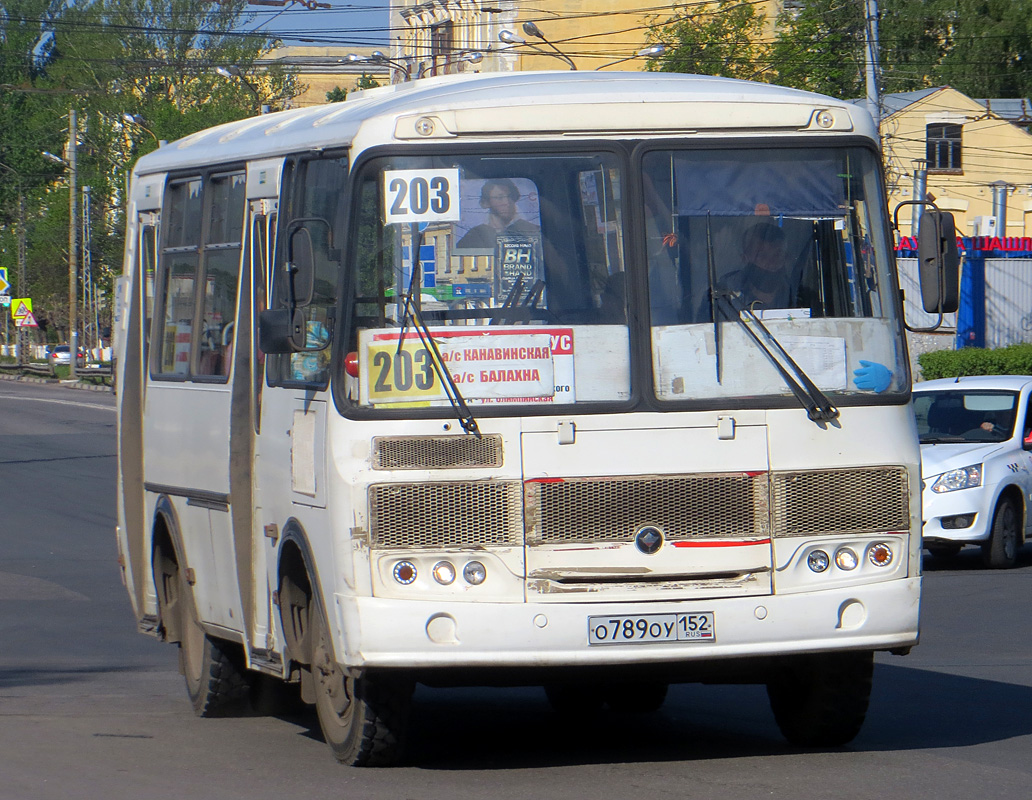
(459, 382)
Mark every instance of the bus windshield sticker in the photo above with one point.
(495, 365)
(421, 195)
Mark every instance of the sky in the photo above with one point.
(347, 23)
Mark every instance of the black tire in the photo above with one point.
(216, 680)
(1001, 551)
(364, 720)
(575, 700)
(636, 698)
(944, 551)
(821, 700)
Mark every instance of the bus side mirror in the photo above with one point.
(938, 262)
(281, 330)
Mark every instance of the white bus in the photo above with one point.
(483, 380)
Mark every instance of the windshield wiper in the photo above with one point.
(818, 406)
(411, 311)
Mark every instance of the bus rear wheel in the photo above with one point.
(363, 719)
(821, 700)
(215, 677)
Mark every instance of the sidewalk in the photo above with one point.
(70, 384)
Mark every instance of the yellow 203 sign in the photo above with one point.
(406, 374)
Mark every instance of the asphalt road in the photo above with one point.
(89, 708)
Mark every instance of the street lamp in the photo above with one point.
(529, 28)
(377, 57)
(235, 72)
(140, 122)
(646, 52)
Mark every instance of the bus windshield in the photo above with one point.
(518, 266)
(794, 238)
(514, 263)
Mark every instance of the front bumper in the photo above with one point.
(380, 632)
(976, 501)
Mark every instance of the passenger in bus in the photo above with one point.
(499, 196)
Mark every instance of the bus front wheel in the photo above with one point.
(363, 719)
(821, 700)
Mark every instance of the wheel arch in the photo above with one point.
(298, 586)
(167, 542)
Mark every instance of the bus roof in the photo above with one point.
(518, 103)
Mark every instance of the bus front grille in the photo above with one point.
(452, 514)
(436, 452)
(838, 501)
(728, 506)
(576, 510)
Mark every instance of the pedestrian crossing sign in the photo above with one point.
(21, 307)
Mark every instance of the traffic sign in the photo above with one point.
(4, 285)
(20, 307)
(5, 300)
(28, 321)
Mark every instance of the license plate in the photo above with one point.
(697, 626)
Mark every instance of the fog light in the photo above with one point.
(818, 561)
(474, 572)
(846, 558)
(958, 521)
(404, 572)
(880, 554)
(444, 572)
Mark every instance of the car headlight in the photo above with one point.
(963, 478)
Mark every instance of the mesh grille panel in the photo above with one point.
(436, 452)
(455, 514)
(840, 501)
(593, 510)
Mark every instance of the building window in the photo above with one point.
(441, 47)
(943, 144)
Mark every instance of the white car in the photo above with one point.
(976, 464)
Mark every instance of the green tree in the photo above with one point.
(336, 95)
(722, 39)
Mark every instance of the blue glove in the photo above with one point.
(872, 376)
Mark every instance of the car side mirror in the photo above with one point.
(301, 266)
(938, 262)
(281, 330)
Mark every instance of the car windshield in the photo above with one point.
(965, 416)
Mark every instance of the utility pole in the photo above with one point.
(73, 244)
(871, 41)
(21, 335)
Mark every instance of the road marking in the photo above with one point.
(56, 402)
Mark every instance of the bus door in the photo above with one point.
(292, 403)
(188, 401)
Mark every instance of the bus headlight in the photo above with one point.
(818, 561)
(846, 558)
(475, 573)
(444, 572)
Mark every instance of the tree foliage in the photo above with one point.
(153, 62)
(980, 47)
(724, 41)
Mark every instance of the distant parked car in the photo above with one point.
(61, 354)
(976, 464)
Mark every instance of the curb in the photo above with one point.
(70, 384)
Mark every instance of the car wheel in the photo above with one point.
(1001, 551)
